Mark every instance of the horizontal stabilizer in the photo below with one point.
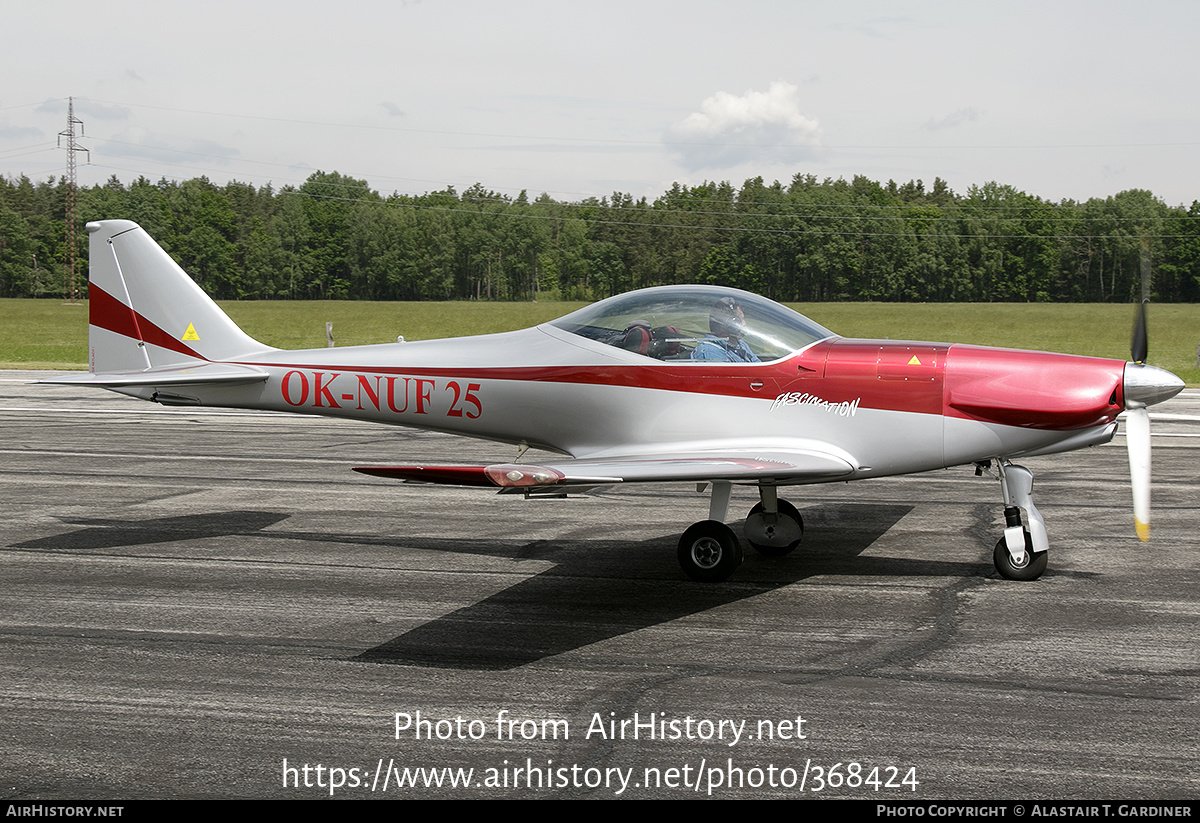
(201, 373)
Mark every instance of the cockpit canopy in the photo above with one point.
(669, 322)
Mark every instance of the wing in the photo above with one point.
(783, 467)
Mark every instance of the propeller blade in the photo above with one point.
(1137, 439)
(1139, 347)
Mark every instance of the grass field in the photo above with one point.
(48, 334)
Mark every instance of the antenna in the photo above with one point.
(72, 199)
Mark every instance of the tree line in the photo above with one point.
(333, 237)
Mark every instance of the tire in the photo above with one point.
(1035, 562)
(709, 552)
(783, 538)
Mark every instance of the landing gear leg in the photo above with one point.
(709, 551)
(1021, 554)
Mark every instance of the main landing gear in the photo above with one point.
(709, 551)
(1021, 553)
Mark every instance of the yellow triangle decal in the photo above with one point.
(913, 362)
(190, 334)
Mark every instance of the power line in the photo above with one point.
(672, 143)
(805, 231)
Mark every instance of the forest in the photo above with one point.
(333, 237)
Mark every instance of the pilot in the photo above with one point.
(726, 324)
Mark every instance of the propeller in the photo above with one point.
(1139, 346)
(1137, 432)
(1144, 386)
(1137, 439)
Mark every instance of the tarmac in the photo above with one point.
(198, 603)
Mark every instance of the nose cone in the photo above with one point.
(1147, 385)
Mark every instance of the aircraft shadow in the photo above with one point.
(599, 589)
(99, 534)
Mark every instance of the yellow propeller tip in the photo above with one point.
(1143, 531)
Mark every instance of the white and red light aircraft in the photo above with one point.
(678, 383)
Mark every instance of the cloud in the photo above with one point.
(53, 105)
(759, 127)
(142, 144)
(392, 109)
(20, 133)
(99, 110)
(952, 120)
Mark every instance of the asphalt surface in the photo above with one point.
(202, 604)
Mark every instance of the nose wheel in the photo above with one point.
(1022, 552)
(1030, 566)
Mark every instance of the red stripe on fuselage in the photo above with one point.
(107, 312)
(737, 381)
(851, 373)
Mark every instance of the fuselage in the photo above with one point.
(889, 407)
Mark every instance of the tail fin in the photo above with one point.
(145, 313)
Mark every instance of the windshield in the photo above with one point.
(695, 323)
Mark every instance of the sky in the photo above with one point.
(1060, 99)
